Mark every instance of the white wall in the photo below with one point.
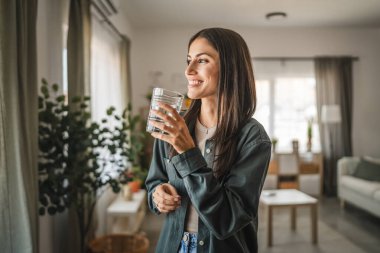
(165, 50)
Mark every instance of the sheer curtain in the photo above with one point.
(109, 87)
(334, 86)
(106, 83)
(18, 127)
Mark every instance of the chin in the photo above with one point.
(192, 95)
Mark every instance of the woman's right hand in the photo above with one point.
(166, 198)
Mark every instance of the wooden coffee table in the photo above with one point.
(289, 198)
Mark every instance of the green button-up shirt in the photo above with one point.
(227, 208)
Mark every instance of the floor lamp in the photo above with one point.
(330, 115)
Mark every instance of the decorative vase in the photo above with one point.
(127, 193)
(308, 145)
(295, 146)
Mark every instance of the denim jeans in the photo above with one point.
(188, 243)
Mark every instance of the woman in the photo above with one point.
(208, 168)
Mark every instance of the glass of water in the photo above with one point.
(172, 98)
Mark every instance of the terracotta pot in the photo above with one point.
(135, 186)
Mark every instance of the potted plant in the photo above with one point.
(78, 157)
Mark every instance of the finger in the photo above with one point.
(163, 193)
(163, 137)
(165, 208)
(163, 127)
(166, 117)
(168, 204)
(171, 110)
(169, 207)
(165, 202)
(171, 190)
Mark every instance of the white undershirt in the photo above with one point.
(202, 134)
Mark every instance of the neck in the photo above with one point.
(208, 114)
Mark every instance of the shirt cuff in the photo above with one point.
(188, 162)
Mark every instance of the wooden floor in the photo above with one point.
(349, 231)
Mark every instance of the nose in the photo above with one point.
(190, 69)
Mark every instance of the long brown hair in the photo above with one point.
(236, 94)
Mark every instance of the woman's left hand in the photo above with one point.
(177, 132)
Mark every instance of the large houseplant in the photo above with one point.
(79, 158)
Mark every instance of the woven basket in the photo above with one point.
(120, 243)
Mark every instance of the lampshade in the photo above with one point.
(330, 114)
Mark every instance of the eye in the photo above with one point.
(202, 61)
(188, 61)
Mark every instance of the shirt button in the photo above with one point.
(208, 151)
(201, 243)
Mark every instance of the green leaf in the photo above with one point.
(110, 110)
(60, 98)
(43, 200)
(55, 87)
(40, 102)
(52, 210)
(41, 211)
(44, 90)
(61, 208)
(76, 99)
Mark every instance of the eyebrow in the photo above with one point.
(200, 55)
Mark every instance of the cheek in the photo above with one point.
(215, 77)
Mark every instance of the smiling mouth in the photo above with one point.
(195, 82)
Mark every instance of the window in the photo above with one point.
(286, 95)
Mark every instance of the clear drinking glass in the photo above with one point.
(172, 98)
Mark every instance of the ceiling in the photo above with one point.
(251, 13)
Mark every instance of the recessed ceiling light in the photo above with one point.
(276, 16)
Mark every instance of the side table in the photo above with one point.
(126, 216)
(289, 198)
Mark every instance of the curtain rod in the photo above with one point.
(105, 19)
(291, 58)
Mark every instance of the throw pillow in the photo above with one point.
(367, 170)
(372, 159)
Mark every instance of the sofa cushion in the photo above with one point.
(367, 170)
(365, 187)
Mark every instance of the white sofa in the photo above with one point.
(359, 192)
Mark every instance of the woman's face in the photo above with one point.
(202, 71)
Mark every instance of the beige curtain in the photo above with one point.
(334, 86)
(79, 48)
(18, 127)
(78, 60)
(125, 45)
